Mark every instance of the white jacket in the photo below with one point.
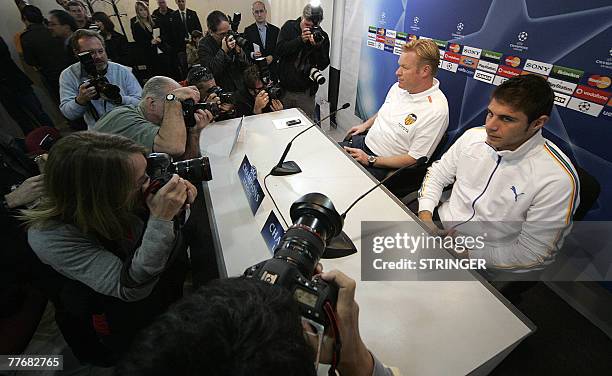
(527, 198)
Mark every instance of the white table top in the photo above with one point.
(423, 328)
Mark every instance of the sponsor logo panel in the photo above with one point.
(399, 43)
(412, 37)
(607, 114)
(508, 72)
(512, 61)
(484, 76)
(586, 107)
(469, 62)
(561, 99)
(372, 29)
(498, 80)
(562, 86)
(390, 41)
(593, 95)
(380, 46)
(466, 71)
(567, 74)
(487, 66)
(449, 56)
(380, 39)
(449, 66)
(454, 47)
(602, 82)
(389, 48)
(371, 43)
(537, 67)
(397, 51)
(390, 34)
(472, 52)
(492, 56)
(380, 31)
(401, 35)
(440, 43)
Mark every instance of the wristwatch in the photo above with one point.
(371, 160)
(170, 97)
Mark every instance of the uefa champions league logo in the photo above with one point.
(522, 36)
(460, 27)
(416, 20)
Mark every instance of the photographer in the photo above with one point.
(303, 48)
(220, 52)
(246, 327)
(157, 121)
(203, 79)
(253, 99)
(80, 84)
(118, 255)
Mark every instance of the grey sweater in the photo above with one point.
(82, 258)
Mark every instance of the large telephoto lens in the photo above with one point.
(315, 223)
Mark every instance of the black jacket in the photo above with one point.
(252, 35)
(178, 30)
(43, 51)
(227, 68)
(12, 79)
(117, 48)
(163, 22)
(296, 57)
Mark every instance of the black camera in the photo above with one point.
(104, 89)
(224, 97)
(271, 86)
(160, 169)
(190, 107)
(317, 34)
(315, 223)
(239, 38)
(235, 21)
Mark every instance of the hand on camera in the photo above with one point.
(203, 118)
(261, 101)
(189, 92)
(355, 359)
(228, 44)
(169, 200)
(307, 36)
(29, 191)
(87, 92)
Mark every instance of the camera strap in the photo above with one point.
(331, 315)
(92, 110)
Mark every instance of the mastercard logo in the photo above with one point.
(513, 61)
(601, 82)
(412, 37)
(454, 47)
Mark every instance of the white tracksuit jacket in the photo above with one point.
(527, 198)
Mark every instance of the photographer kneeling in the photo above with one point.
(203, 79)
(118, 253)
(253, 98)
(158, 122)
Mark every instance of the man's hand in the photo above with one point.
(261, 101)
(257, 54)
(87, 92)
(427, 218)
(276, 105)
(29, 191)
(155, 41)
(357, 129)
(359, 155)
(169, 200)
(228, 44)
(307, 36)
(213, 98)
(203, 118)
(189, 92)
(269, 59)
(355, 359)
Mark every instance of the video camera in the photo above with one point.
(315, 223)
(104, 89)
(160, 169)
(271, 86)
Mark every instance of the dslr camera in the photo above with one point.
(239, 38)
(224, 97)
(160, 168)
(315, 223)
(189, 107)
(317, 34)
(271, 86)
(104, 89)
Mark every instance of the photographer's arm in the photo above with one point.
(192, 149)
(70, 89)
(172, 134)
(216, 61)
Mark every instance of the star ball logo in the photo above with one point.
(415, 23)
(522, 36)
(584, 106)
(520, 43)
(416, 20)
(460, 27)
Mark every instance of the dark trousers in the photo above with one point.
(25, 108)
(358, 142)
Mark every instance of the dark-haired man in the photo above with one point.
(253, 99)
(78, 11)
(219, 52)
(246, 327)
(510, 183)
(182, 22)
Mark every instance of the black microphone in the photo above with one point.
(283, 168)
(418, 163)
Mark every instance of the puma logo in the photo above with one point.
(516, 195)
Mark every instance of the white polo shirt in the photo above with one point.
(409, 123)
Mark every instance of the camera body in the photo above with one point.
(224, 97)
(317, 34)
(315, 223)
(239, 38)
(271, 86)
(104, 89)
(189, 107)
(160, 168)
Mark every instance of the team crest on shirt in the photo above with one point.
(410, 119)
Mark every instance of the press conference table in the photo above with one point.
(422, 328)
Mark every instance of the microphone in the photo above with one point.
(418, 163)
(283, 168)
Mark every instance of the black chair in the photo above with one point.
(589, 193)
